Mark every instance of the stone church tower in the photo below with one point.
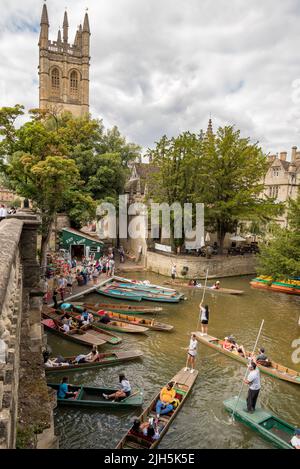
(64, 68)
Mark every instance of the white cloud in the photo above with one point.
(161, 66)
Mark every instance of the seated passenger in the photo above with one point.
(63, 390)
(105, 319)
(216, 285)
(262, 358)
(84, 317)
(125, 389)
(164, 404)
(227, 344)
(151, 429)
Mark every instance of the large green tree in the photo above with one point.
(280, 255)
(33, 157)
(223, 170)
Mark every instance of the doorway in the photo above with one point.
(77, 250)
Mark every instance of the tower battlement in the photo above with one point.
(64, 68)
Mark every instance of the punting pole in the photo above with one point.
(203, 296)
(245, 376)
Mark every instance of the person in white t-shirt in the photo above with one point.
(192, 352)
(295, 441)
(253, 381)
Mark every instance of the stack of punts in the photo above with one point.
(88, 335)
(121, 308)
(275, 369)
(105, 359)
(210, 289)
(264, 422)
(184, 381)
(132, 294)
(292, 286)
(91, 396)
(132, 320)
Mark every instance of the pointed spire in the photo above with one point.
(59, 37)
(86, 24)
(209, 128)
(44, 17)
(65, 27)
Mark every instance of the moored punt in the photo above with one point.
(275, 370)
(75, 335)
(227, 291)
(120, 326)
(89, 396)
(144, 288)
(108, 337)
(184, 381)
(291, 287)
(143, 284)
(119, 294)
(147, 295)
(149, 323)
(264, 422)
(121, 308)
(105, 359)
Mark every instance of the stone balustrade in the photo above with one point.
(21, 337)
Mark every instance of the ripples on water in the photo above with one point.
(203, 422)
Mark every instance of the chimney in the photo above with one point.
(283, 155)
(294, 151)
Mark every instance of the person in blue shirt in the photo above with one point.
(63, 390)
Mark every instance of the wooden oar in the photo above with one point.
(245, 376)
(131, 395)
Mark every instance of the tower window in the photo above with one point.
(55, 79)
(74, 83)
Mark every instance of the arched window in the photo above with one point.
(55, 79)
(74, 83)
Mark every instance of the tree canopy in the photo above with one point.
(280, 256)
(63, 163)
(223, 170)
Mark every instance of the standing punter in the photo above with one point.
(253, 381)
(192, 352)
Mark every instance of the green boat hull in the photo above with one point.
(92, 397)
(270, 427)
(119, 296)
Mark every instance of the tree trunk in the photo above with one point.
(221, 238)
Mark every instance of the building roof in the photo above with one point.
(83, 235)
(140, 176)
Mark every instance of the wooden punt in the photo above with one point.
(227, 291)
(145, 295)
(149, 323)
(184, 381)
(142, 284)
(121, 308)
(91, 396)
(109, 337)
(74, 335)
(281, 287)
(119, 294)
(275, 370)
(105, 359)
(264, 422)
(144, 288)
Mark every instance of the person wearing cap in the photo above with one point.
(295, 441)
(166, 397)
(216, 285)
(253, 381)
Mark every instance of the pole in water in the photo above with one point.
(245, 376)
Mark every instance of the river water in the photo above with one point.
(202, 422)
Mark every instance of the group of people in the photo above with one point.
(4, 211)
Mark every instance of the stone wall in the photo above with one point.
(218, 266)
(25, 408)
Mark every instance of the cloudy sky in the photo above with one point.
(163, 66)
